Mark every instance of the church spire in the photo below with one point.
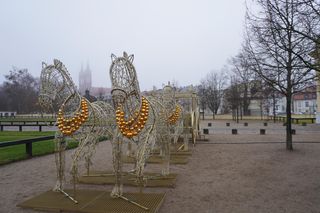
(88, 67)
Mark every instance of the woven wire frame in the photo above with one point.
(57, 90)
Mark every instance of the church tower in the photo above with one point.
(85, 82)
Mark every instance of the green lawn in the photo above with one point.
(18, 152)
(15, 135)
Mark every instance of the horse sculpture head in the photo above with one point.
(55, 84)
(125, 85)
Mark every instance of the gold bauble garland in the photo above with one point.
(175, 116)
(133, 126)
(69, 126)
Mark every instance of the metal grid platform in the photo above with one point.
(107, 177)
(94, 202)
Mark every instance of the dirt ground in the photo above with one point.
(247, 173)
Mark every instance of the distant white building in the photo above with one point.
(280, 106)
(305, 102)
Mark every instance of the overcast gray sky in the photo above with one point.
(171, 39)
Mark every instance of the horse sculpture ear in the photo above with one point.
(57, 63)
(44, 65)
(113, 57)
(130, 58)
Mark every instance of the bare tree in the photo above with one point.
(202, 96)
(241, 68)
(215, 83)
(22, 90)
(277, 53)
(3, 96)
(232, 98)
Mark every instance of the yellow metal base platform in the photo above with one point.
(94, 202)
(107, 177)
(156, 152)
(174, 159)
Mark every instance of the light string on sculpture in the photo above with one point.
(96, 119)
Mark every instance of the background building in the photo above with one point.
(85, 80)
(305, 102)
(86, 89)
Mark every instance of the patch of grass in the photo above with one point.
(16, 135)
(18, 152)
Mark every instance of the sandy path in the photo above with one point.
(218, 178)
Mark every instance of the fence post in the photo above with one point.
(29, 149)
(40, 128)
(20, 128)
(1, 128)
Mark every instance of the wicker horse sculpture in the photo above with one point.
(177, 113)
(142, 120)
(77, 118)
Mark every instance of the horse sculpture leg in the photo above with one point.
(60, 147)
(185, 142)
(117, 165)
(165, 154)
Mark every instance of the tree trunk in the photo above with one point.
(203, 113)
(289, 127)
(237, 114)
(245, 100)
(261, 110)
(274, 108)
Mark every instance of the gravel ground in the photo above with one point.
(226, 174)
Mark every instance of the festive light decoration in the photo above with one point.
(69, 126)
(58, 89)
(133, 126)
(174, 116)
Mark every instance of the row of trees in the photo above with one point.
(19, 92)
(278, 56)
(278, 43)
